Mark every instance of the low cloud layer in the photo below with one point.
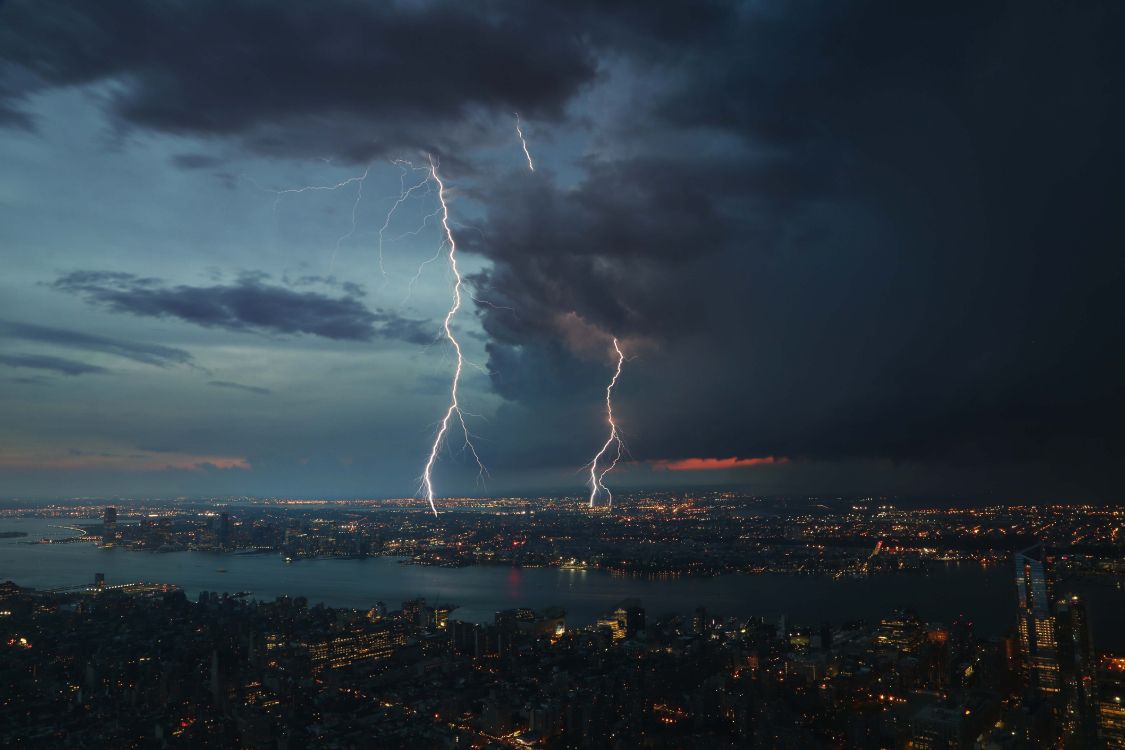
(245, 305)
(76, 460)
(149, 354)
(50, 364)
(255, 389)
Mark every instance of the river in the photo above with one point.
(986, 595)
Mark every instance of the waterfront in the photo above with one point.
(984, 594)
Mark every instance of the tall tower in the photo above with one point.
(1036, 623)
(109, 527)
(224, 529)
(1111, 700)
(1078, 670)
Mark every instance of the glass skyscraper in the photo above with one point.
(1036, 622)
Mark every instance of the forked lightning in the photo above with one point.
(454, 405)
(597, 478)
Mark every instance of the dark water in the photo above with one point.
(986, 595)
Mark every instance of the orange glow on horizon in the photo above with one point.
(133, 461)
(714, 464)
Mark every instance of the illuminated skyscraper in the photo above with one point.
(625, 621)
(1077, 663)
(614, 626)
(1111, 705)
(1036, 622)
(631, 615)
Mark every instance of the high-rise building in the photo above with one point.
(624, 621)
(507, 626)
(1111, 702)
(937, 728)
(614, 626)
(378, 612)
(699, 623)
(109, 527)
(631, 615)
(342, 649)
(1078, 671)
(224, 529)
(1036, 622)
(902, 633)
(412, 610)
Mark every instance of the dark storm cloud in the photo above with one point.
(654, 27)
(622, 248)
(911, 250)
(295, 78)
(149, 354)
(847, 230)
(409, 330)
(51, 364)
(240, 387)
(351, 288)
(248, 304)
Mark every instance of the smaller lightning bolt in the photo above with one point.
(523, 142)
(418, 274)
(597, 478)
(310, 188)
(350, 232)
(358, 181)
(405, 168)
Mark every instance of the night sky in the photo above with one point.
(849, 247)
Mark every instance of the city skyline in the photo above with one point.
(679, 621)
(562, 375)
(849, 250)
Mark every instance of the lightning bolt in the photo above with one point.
(350, 232)
(407, 188)
(597, 478)
(358, 181)
(418, 274)
(523, 142)
(454, 409)
(404, 193)
(278, 194)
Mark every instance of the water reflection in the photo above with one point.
(984, 594)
